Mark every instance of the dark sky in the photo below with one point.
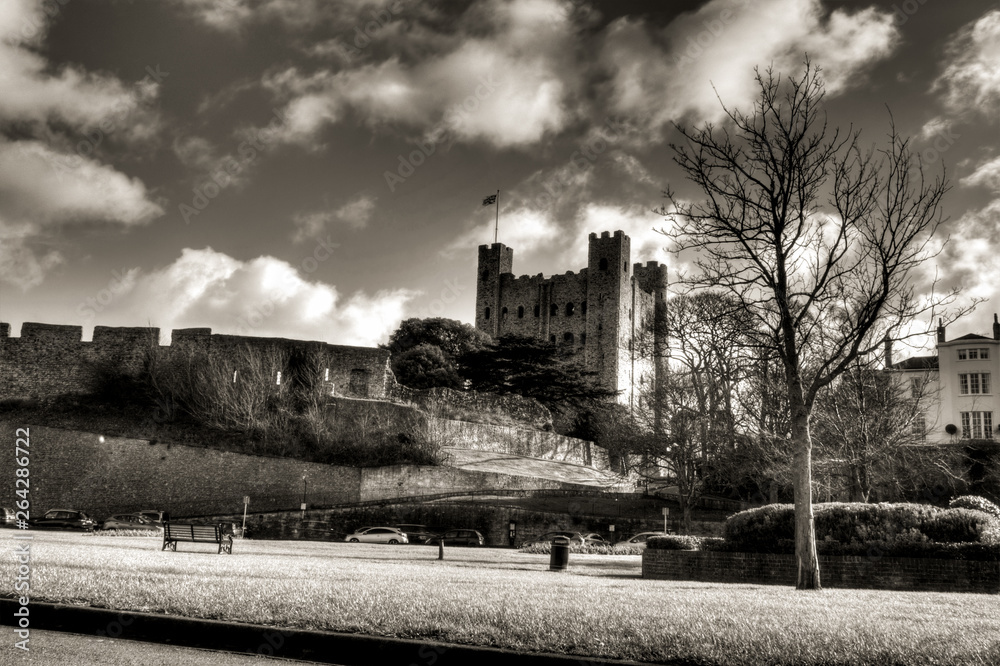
(314, 169)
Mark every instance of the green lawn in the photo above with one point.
(601, 607)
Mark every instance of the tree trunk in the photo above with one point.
(805, 534)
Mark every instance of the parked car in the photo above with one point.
(155, 517)
(595, 539)
(574, 538)
(130, 521)
(377, 535)
(459, 538)
(418, 534)
(7, 517)
(641, 538)
(64, 519)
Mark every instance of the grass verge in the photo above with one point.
(600, 607)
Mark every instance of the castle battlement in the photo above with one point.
(49, 360)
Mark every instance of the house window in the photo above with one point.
(568, 337)
(486, 313)
(977, 425)
(973, 354)
(602, 264)
(974, 383)
(553, 310)
(916, 385)
(919, 428)
(569, 309)
(520, 312)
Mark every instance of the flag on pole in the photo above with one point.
(490, 200)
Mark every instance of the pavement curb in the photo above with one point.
(319, 646)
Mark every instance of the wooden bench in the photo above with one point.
(174, 532)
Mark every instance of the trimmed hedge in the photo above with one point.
(674, 542)
(764, 529)
(975, 503)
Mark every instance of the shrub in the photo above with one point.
(975, 503)
(674, 542)
(760, 529)
(590, 549)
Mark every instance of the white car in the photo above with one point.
(641, 538)
(377, 535)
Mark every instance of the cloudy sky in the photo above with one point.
(316, 170)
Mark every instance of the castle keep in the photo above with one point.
(602, 314)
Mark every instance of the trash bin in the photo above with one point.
(559, 556)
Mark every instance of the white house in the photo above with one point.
(958, 386)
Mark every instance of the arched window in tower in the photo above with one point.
(569, 309)
(625, 266)
(520, 312)
(503, 314)
(486, 275)
(537, 311)
(602, 265)
(552, 338)
(486, 313)
(583, 338)
(583, 308)
(568, 337)
(553, 310)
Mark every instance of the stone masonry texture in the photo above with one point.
(885, 573)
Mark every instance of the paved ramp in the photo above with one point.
(505, 463)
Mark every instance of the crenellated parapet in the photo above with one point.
(49, 360)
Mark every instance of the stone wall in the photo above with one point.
(885, 573)
(49, 360)
(493, 521)
(107, 475)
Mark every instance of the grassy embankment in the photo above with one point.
(601, 607)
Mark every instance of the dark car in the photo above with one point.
(7, 517)
(574, 538)
(416, 533)
(64, 519)
(459, 538)
(130, 521)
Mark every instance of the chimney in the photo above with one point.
(888, 352)
(940, 331)
(996, 327)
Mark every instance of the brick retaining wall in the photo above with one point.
(885, 573)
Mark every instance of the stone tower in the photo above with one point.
(599, 314)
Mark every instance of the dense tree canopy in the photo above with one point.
(425, 351)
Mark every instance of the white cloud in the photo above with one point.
(969, 260)
(986, 174)
(355, 214)
(510, 82)
(971, 77)
(42, 184)
(41, 188)
(68, 94)
(265, 296)
(668, 75)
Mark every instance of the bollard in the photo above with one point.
(441, 549)
(559, 555)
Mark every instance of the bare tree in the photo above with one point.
(869, 430)
(816, 236)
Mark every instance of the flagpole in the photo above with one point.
(496, 229)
